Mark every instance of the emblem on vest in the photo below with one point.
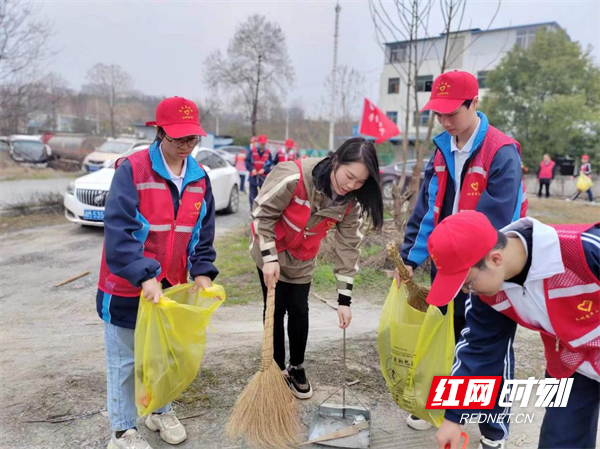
(586, 306)
(330, 226)
(474, 189)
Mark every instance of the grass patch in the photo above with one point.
(237, 271)
(368, 283)
(557, 211)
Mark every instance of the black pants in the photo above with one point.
(293, 300)
(576, 425)
(544, 182)
(589, 194)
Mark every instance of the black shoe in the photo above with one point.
(299, 383)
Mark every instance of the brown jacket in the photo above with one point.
(275, 195)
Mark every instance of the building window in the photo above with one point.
(393, 116)
(421, 118)
(481, 77)
(396, 53)
(422, 82)
(393, 85)
(525, 36)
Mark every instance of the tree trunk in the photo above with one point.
(254, 116)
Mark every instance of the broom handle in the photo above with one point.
(344, 379)
(267, 348)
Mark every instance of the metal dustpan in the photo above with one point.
(341, 425)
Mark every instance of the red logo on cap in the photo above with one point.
(443, 88)
(187, 113)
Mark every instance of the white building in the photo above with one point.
(473, 50)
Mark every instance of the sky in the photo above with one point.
(163, 44)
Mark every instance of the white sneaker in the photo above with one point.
(171, 430)
(129, 440)
(484, 443)
(417, 423)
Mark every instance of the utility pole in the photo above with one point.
(333, 76)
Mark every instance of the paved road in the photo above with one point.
(24, 191)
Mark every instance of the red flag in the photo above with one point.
(376, 124)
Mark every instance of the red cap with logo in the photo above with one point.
(455, 246)
(178, 117)
(450, 90)
(262, 139)
(289, 143)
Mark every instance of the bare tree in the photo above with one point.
(408, 22)
(257, 66)
(56, 92)
(23, 37)
(111, 84)
(350, 88)
(23, 46)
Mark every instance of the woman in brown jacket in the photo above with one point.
(299, 204)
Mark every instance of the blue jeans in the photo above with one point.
(120, 389)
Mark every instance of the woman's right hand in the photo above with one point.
(151, 290)
(271, 274)
(397, 275)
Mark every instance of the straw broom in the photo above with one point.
(265, 413)
(417, 295)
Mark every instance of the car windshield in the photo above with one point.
(29, 149)
(232, 150)
(114, 147)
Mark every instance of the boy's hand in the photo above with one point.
(448, 435)
(201, 282)
(271, 272)
(151, 290)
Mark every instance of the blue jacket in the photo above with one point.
(485, 348)
(501, 201)
(257, 180)
(125, 231)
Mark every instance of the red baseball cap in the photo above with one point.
(262, 139)
(450, 90)
(455, 246)
(178, 117)
(289, 143)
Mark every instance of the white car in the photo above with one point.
(85, 197)
(109, 151)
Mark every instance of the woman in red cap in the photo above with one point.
(158, 226)
(299, 204)
(586, 170)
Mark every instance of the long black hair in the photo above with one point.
(369, 196)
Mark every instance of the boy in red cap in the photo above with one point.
(545, 278)
(159, 227)
(475, 166)
(285, 154)
(258, 164)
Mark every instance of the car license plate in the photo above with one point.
(93, 215)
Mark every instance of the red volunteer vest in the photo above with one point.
(168, 236)
(573, 304)
(292, 233)
(258, 160)
(546, 170)
(284, 156)
(475, 181)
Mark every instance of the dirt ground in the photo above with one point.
(52, 378)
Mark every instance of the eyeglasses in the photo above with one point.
(468, 288)
(178, 143)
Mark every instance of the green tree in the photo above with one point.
(548, 97)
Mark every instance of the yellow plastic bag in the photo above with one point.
(170, 338)
(413, 347)
(584, 183)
